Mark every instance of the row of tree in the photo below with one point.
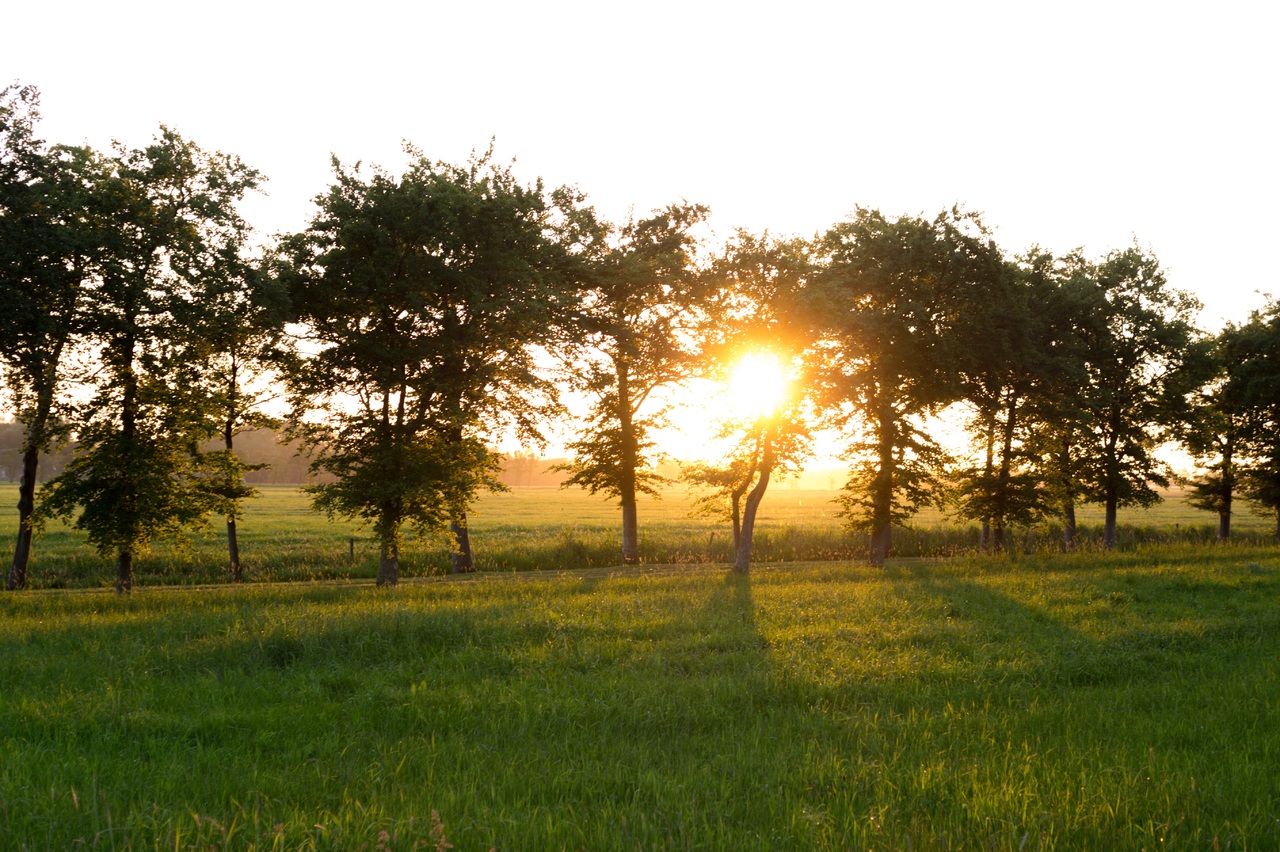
(421, 316)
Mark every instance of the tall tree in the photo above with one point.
(637, 318)
(1002, 341)
(1235, 423)
(756, 339)
(135, 476)
(50, 219)
(1056, 415)
(1132, 396)
(892, 295)
(239, 314)
(423, 299)
(1021, 366)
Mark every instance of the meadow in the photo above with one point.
(1034, 700)
(547, 528)
(1083, 701)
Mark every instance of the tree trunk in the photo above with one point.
(35, 436)
(630, 531)
(124, 572)
(1069, 524)
(1112, 490)
(233, 551)
(1228, 492)
(26, 506)
(461, 560)
(742, 547)
(984, 539)
(630, 460)
(1109, 527)
(128, 485)
(389, 561)
(882, 496)
(233, 544)
(1003, 476)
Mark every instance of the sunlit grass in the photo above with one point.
(549, 528)
(1083, 701)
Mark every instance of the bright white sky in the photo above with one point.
(1084, 124)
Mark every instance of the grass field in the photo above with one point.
(549, 528)
(1090, 701)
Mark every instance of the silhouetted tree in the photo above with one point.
(892, 297)
(239, 315)
(757, 317)
(638, 313)
(49, 222)
(135, 475)
(422, 300)
(1233, 427)
(1134, 347)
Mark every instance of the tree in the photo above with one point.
(1055, 414)
(422, 299)
(1134, 348)
(637, 316)
(240, 317)
(892, 293)
(757, 324)
(1234, 425)
(48, 246)
(1001, 360)
(135, 476)
(1021, 368)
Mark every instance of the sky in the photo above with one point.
(1090, 124)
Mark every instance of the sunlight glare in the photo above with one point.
(757, 385)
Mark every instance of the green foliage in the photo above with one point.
(638, 311)
(170, 217)
(1132, 396)
(423, 299)
(893, 295)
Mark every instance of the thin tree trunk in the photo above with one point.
(389, 561)
(35, 436)
(1112, 495)
(26, 506)
(461, 560)
(1002, 478)
(742, 548)
(124, 572)
(233, 544)
(128, 490)
(984, 539)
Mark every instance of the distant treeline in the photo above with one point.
(283, 462)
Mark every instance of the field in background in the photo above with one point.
(550, 528)
(1091, 701)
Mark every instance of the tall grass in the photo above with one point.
(1119, 701)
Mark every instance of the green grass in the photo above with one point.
(549, 528)
(1119, 701)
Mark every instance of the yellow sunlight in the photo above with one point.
(757, 385)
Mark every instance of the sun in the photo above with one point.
(757, 385)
